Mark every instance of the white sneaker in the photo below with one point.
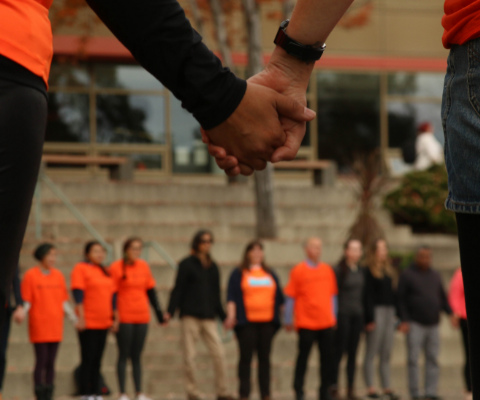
(87, 398)
(98, 398)
(124, 397)
(141, 396)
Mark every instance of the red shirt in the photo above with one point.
(461, 21)
(26, 34)
(46, 293)
(313, 289)
(132, 298)
(456, 296)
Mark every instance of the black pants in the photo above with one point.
(466, 371)
(92, 345)
(347, 337)
(45, 355)
(325, 339)
(23, 117)
(255, 338)
(4, 334)
(130, 341)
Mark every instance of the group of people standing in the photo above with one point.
(328, 306)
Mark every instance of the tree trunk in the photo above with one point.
(221, 34)
(266, 222)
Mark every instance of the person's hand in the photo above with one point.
(229, 323)
(455, 321)
(80, 325)
(404, 327)
(115, 326)
(19, 315)
(286, 75)
(254, 134)
(289, 327)
(166, 317)
(370, 327)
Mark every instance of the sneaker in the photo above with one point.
(373, 396)
(140, 396)
(98, 398)
(391, 396)
(89, 397)
(124, 397)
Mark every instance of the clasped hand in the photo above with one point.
(270, 122)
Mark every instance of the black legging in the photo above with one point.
(92, 345)
(347, 337)
(23, 117)
(255, 338)
(45, 355)
(4, 334)
(466, 371)
(130, 340)
(468, 235)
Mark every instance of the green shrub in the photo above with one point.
(419, 202)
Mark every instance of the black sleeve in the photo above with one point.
(155, 302)
(402, 306)
(161, 39)
(179, 288)
(444, 299)
(368, 302)
(17, 294)
(219, 307)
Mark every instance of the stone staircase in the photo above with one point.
(170, 213)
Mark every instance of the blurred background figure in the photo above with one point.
(351, 281)
(135, 287)
(196, 295)
(46, 302)
(255, 297)
(380, 317)
(95, 296)
(311, 295)
(456, 297)
(421, 299)
(427, 148)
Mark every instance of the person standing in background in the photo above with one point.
(254, 300)
(196, 295)
(421, 299)
(135, 287)
(310, 297)
(95, 295)
(350, 280)
(380, 316)
(46, 302)
(428, 149)
(456, 298)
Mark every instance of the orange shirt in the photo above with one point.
(26, 34)
(46, 293)
(132, 298)
(313, 289)
(461, 21)
(98, 290)
(258, 289)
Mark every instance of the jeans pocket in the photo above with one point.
(473, 74)
(447, 97)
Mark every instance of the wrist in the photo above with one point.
(296, 70)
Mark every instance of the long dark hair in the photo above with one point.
(197, 241)
(126, 246)
(245, 265)
(86, 252)
(342, 265)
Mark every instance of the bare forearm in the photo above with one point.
(231, 310)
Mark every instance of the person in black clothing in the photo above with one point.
(255, 297)
(381, 281)
(421, 299)
(350, 280)
(196, 295)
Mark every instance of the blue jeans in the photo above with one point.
(461, 125)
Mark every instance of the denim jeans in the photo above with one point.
(461, 125)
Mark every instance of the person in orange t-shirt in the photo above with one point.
(311, 299)
(135, 288)
(45, 296)
(254, 300)
(95, 295)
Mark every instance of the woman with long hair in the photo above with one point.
(135, 288)
(253, 309)
(380, 316)
(95, 296)
(46, 302)
(350, 280)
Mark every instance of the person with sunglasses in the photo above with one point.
(196, 295)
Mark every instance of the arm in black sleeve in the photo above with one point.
(16, 288)
(219, 307)
(402, 307)
(161, 39)
(155, 302)
(179, 289)
(444, 299)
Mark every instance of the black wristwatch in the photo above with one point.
(304, 52)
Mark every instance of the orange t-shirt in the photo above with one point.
(46, 293)
(313, 289)
(461, 21)
(258, 289)
(132, 298)
(26, 34)
(98, 290)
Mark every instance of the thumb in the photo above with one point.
(290, 108)
(290, 148)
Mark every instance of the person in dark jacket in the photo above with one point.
(421, 299)
(197, 296)
(254, 300)
(350, 280)
(381, 281)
